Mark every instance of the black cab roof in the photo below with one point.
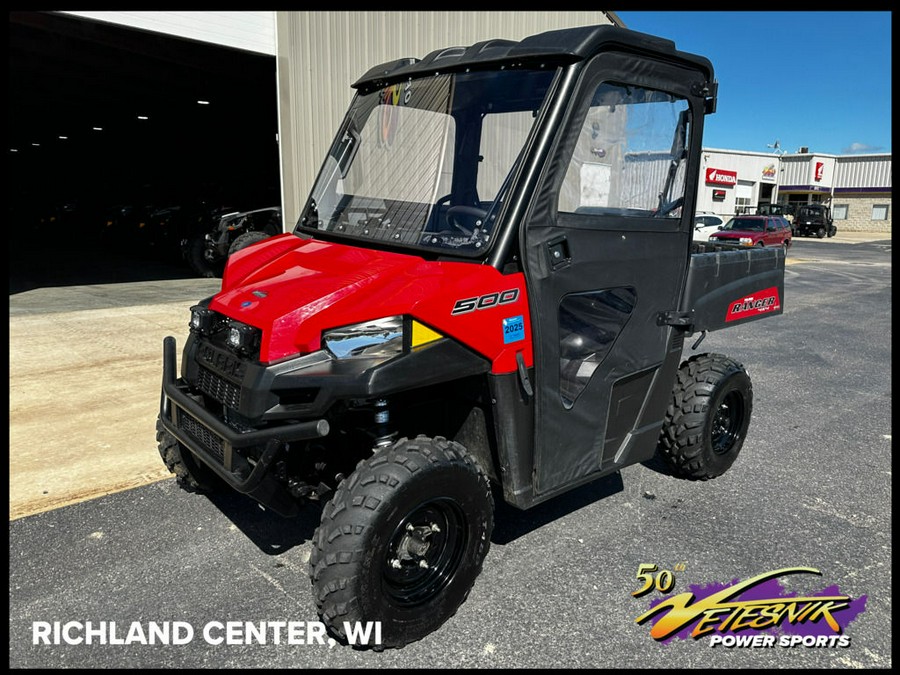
(558, 46)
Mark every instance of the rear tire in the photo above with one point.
(197, 260)
(190, 474)
(708, 417)
(402, 540)
(245, 240)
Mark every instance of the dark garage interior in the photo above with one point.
(123, 143)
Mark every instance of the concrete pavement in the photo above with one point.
(84, 380)
(843, 237)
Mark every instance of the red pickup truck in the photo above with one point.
(755, 231)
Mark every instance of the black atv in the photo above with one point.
(814, 220)
(207, 251)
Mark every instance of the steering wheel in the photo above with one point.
(666, 209)
(465, 218)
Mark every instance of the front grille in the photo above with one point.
(202, 435)
(225, 392)
(221, 361)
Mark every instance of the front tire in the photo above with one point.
(190, 474)
(402, 540)
(820, 233)
(708, 417)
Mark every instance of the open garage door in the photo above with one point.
(122, 140)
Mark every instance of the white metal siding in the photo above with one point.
(250, 31)
(866, 171)
(795, 170)
(320, 54)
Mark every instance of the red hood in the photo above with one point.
(293, 289)
(308, 286)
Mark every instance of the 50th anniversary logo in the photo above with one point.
(753, 613)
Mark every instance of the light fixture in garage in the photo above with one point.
(63, 138)
(37, 145)
(143, 117)
(203, 102)
(98, 128)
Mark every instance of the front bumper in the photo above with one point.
(269, 399)
(215, 443)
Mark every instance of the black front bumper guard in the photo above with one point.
(256, 480)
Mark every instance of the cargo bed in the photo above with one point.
(730, 283)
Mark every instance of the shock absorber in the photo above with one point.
(383, 434)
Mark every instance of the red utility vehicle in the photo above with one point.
(487, 293)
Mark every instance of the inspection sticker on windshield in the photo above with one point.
(513, 329)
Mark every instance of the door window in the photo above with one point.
(630, 155)
(589, 324)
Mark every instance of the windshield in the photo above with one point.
(425, 163)
(746, 224)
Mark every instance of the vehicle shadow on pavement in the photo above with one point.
(657, 464)
(271, 533)
(274, 534)
(511, 523)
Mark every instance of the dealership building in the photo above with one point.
(856, 187)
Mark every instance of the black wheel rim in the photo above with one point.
(727, 422)
(424, 552)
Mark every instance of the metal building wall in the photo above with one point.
(321, 53)
(794, 170)
(864, 171)
(252, 31)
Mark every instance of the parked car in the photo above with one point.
(814, 219)
(705, 224)
(755, 231)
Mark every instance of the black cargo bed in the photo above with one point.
(729, 283)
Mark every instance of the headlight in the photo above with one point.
(203, 320)
(746, 241)
(371, 339)
(379, 338)
(242, 338)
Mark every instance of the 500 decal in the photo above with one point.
(485, 301)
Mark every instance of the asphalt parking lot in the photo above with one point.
(811, 489)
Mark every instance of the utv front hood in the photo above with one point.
(295, 288)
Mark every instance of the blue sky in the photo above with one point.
(815, 79)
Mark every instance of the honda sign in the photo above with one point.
(721, 177)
